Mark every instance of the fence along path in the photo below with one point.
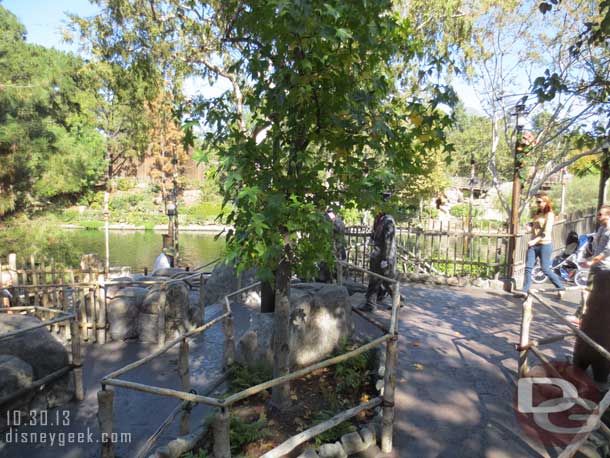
(454, 249)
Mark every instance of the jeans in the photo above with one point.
(543, 252)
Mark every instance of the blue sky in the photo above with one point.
(44, 20)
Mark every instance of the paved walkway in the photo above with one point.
(457, 371)
(456, 374)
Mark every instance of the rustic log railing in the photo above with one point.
(527, 345)
(221, 425)
(75, 365)
(45, 284)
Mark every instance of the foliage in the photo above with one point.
(334, 434)
(462, 211)
(41, 240)
(48, 144)
(244, 432)
(242, 377)
(581, 193)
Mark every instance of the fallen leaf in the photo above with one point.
(416, 344)
(418, 367)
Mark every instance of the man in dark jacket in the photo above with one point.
(382, 258)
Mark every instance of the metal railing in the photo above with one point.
(221, 445)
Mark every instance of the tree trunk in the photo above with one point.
(281, 330)
(267, 297)
(605, 174)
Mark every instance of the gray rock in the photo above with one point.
(368, 436)
(150, 303)
(352, 443)
(39, 348)
(133, 291)
(320, 318)
(148, 324)
(332, 451)
(453, 281)
(309, 453)
(15, 374)
(168, 272)
(223, 281)
(123, 317)
(29, 357)
(320, 321)
(255, 345)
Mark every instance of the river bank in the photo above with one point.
(208, 228)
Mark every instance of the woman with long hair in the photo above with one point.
(541, 244)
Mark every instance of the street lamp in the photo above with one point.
(516, 195)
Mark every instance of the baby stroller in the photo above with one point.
(567, 264)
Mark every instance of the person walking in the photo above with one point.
(541, 245)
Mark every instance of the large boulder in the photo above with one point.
(38, 348)
(320, 318)
(29, 357)
(15, 374)
(224, 280)
(180, 314)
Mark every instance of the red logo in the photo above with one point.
(553, 407)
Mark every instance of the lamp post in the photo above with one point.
(516, 195)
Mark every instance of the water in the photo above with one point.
(139, 249)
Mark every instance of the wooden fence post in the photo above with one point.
(162, 311)
(390, 376)
(229, 349)
(526, 321)
(77, 363)
(222, 444)
(183, 371)
(105, 400)
(101, 309)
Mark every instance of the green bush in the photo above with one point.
(124, 183)
(461, 211)
(581, 194)
(242, 377)
(242, 432)
(333, 434)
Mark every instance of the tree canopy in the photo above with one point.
(48, 144)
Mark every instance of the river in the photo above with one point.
(139, 249)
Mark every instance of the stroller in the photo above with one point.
(567, 264)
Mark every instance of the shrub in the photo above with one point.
(461, 211)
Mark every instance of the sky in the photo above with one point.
(44, 20)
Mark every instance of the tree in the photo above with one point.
(513, 45)
(48, 145)
(313, 116)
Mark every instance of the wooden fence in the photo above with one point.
(454, 249)
(48, 285)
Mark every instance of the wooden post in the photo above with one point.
(82, 307)
(390, 376)
(526, 321)
(161, 321)
(339, 273)
(229, 348)
(101, 309)
(183, 371)
(34, 280)
(14, 274)
(93, 305)
(222, 444)
(105, 400)
(79, 389)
